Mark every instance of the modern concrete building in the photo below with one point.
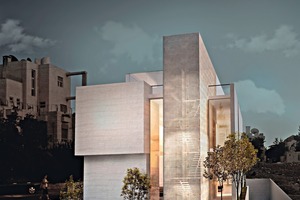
(40, 89)
(161, 122)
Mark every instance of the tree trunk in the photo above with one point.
(237, 193)
(243, 193)
(220, 189)
(222, 194)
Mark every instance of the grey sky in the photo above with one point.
(255, 44)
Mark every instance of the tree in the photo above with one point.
(215, 165)
(136, 185)
(240, 157)
(276, 142)
(34, 133)
(72, 190)
(275, 151)
(258, 143)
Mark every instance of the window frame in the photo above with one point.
(60, 81)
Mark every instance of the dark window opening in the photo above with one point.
(64, 134)
(11, 100)
(63, 108)
(42, 104)
(33, 76)
(18, 102)
(60, 81)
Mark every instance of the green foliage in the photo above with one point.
(72, 190)
(24, 155)
(136, 185)
(34, 133)
(258, 144)
(20, 144)
(234, 159)
(276, 150)
(214, 165)
(240, 157)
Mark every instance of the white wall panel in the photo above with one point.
(103, 175)
(110, 119)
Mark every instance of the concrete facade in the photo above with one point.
(40, 89)
(187, 73)
(265, 189)
(162, 122)
(112, 132)
(123, 106)
(103, 175)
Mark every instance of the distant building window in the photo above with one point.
(18, 102)
(42, 104)
(64, 134)
(11, 100)
(60, 81)
(63, 108)
(33, 80)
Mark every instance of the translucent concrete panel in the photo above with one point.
(112, 119)
(187, 73)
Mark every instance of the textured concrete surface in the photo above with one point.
(187, 73)
(103, 175)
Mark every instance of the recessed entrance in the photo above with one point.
(156, 148)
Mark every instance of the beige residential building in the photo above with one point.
(40, 89)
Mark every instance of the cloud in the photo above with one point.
(131, 41)
(12, 36)
(259, 100)
(284, 39)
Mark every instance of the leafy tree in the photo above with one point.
(215, 166)
(72, 190)
(34, 133)
(258, 144)
(11, 152)
(136, 185)
(276, 141)
(240, 157)
(276, 151)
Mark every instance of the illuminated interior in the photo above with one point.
(156, 146)
(219, 129)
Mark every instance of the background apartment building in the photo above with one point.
(40, 89)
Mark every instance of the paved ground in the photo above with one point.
(27, 197)
(54, 190)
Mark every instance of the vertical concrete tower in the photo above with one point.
(188, 72)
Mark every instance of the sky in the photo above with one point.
(254, 44)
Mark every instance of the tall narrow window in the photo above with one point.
(64, 134)
(33, 77)
(11, 101)
(60, 81)
(18, 102)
